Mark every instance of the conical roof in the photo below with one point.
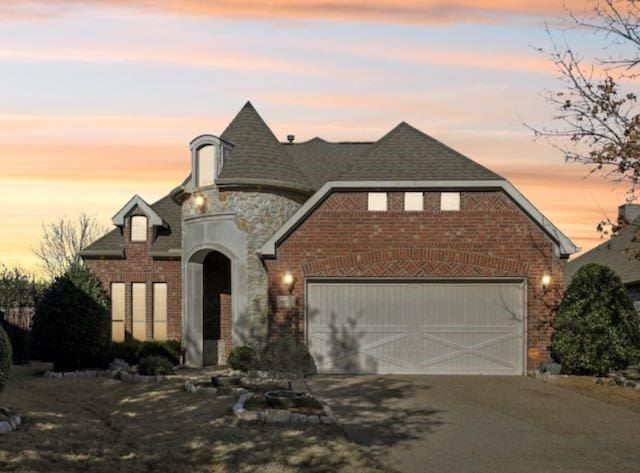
(257, 155)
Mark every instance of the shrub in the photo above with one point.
(596, 328)
(20, 341)
(70, 326)
(5, 357)
(127, 351)
(243, 358)
(287, 354)
(169, 349)
(155, 365)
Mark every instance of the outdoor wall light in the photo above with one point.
(199, 201)
(545, 281)
(288, 280)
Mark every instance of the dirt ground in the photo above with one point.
(620, 396)
(102, 425)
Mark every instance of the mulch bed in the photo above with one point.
(308, 406)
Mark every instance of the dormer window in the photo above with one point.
(208, 155)
(139, 228)
(206, 165)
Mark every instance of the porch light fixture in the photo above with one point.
(288, 280)
(199, 201)
(545, 281)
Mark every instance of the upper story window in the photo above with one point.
(450, 201)
(414, 201)
(206, 165)
(139, 228)
(377, 201)
(208, 155)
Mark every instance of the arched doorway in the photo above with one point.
(216, 307)
(209, 307)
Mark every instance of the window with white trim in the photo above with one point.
(139, 310)
(206, 165)
(160, 311)
(414, 201)
(450, 201)
(377, 201)
(139, 228)
(117, 311)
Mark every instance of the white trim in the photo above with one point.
(136, 200)
(565, 246)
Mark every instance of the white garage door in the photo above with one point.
(452, 327)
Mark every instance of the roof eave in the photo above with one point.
(102, 254)
(226, 182)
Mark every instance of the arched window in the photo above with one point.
(206, 165)
(138, 228)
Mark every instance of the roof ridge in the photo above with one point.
(607, 241)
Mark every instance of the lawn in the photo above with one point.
(102, 425)
(620, 396)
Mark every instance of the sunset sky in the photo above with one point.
(99, 99)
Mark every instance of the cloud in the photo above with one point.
(383, 11)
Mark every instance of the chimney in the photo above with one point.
(291, 138)
(629, 212)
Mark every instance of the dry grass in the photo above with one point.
(101, 425)
(617, 395)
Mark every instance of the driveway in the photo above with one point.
(481, 424)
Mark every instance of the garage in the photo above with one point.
(417, 326)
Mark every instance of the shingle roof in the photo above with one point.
(168, 242)
(257, 154)
(406, 153)
(617, 253)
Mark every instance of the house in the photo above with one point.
(621, 253)
(394, 256)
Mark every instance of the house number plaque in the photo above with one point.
(286, 302)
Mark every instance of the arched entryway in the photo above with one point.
(209, 307)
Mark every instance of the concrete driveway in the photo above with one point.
(481, 424)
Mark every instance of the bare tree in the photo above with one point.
(62, 241)
(597, 115)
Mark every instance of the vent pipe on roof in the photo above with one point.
(291, 138)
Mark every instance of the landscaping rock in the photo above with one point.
(277, 416)
(5, 427)
(313, 420)
(118, 364)
(250, 416)
(327, 420)
(190, 387)
(298, 418)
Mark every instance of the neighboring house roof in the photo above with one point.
(617, 253)
(167, 244)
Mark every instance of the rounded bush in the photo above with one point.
(127, 351)
(596, 329)
(286, 354)
(70, 326)
(155, 365)
(243, 358)
(5, 357)
(170, 349)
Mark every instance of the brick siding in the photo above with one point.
(489, 237)
(139, 267)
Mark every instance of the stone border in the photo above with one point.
(282, 416)
(120, 375)
(612, 379)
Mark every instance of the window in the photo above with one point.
(450, 201)
(377, 201)
(138, 228)
(139, 310)
(206, 165)
(413, 201)
(160, 311)
(117, 311)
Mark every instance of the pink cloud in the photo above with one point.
(387, 11)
